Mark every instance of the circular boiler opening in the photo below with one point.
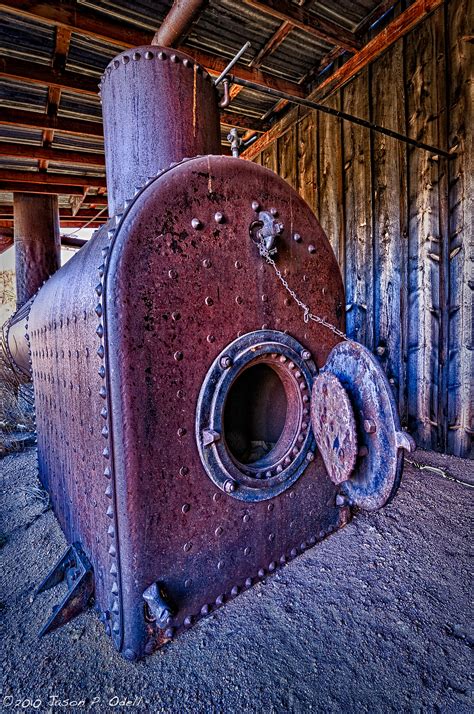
(257, 423)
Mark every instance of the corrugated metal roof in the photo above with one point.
(221, 29)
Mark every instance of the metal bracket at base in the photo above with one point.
(76, 570)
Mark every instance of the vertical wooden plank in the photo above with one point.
(424, 77)
(269, 157)
(286, 153)
(461, 243)
(390, 220)
(306, 158)
(258, 159)
(330, 207)
(358, 216)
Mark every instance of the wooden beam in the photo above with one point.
(241, 122)
(6, 213)
(22, 187)
(91, 23)
(272, 43)
(314, 25)
(6, 238)
(34, 73)
(399, 27)
(27, 151)
(51, 178)
(35, 120)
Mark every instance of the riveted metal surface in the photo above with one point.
(379, 465)
(180, 286)
(158, 107)
(334, 427)
(272, 470)
(63, 336)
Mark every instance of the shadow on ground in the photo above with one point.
(373, 619)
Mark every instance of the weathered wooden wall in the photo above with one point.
(400, 220)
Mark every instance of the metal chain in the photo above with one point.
(307, 314)
(439, 472)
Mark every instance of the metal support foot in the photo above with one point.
(75, 569)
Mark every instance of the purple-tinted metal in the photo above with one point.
(378, 469)
(37, 242)
(122, 339)
(158, 107)
(334, 427)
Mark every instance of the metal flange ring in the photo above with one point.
(253, 421)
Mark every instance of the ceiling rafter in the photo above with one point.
(41, 153)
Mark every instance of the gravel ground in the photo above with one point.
(373, 619)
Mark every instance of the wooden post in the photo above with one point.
(37, 242)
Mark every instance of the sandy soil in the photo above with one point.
(374, 619)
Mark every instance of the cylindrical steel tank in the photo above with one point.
(158, 107)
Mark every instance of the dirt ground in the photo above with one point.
(373, 619)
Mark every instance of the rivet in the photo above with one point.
(230, 486)
(116, 64)
(187, 547)
(219, 217)
(311, 248)
(174, 58)
(102, 392)
(109, 512)
(103, 412)
(283, 559)
(183, 471)
(300, 438)
(108, 491)
(220, 565)
(255, 205)
(205, 609)
(180, 394)
(196, 224)
(106, 453)
(246, 518)
(219, 600)
(181, 431)
(188, 583)
(178, 356)
(175, 316)
(136, 56)
(185, 507)
(238, 264)
(148, 55)
(188, 620)
(100, 350)
(211, 338)
(370, 426)
(305, 398)
(161, 55)
(114, 589)
(216, 497)
(272, 566)
(234, 591)
(225, 362)
(248, 583)
(206, 263)
(112, 551)
(247, 551)
(125, 59)
(306, 355)
(293, 552)
(98, 309)
(101, 371)
(264, 298)
(303, 545)
(172, 274)
(169, 633)
(296, 237)
(209, 301)
(261, 573)
(274, 211)
(239, 300)
(341, 500)
(100, 331)
(271, 537)
(219, 530)
(105, 432)
(187, 63)
(98, 289)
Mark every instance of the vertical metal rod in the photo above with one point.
(233, 61)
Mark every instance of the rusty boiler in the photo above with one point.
(201, 418)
